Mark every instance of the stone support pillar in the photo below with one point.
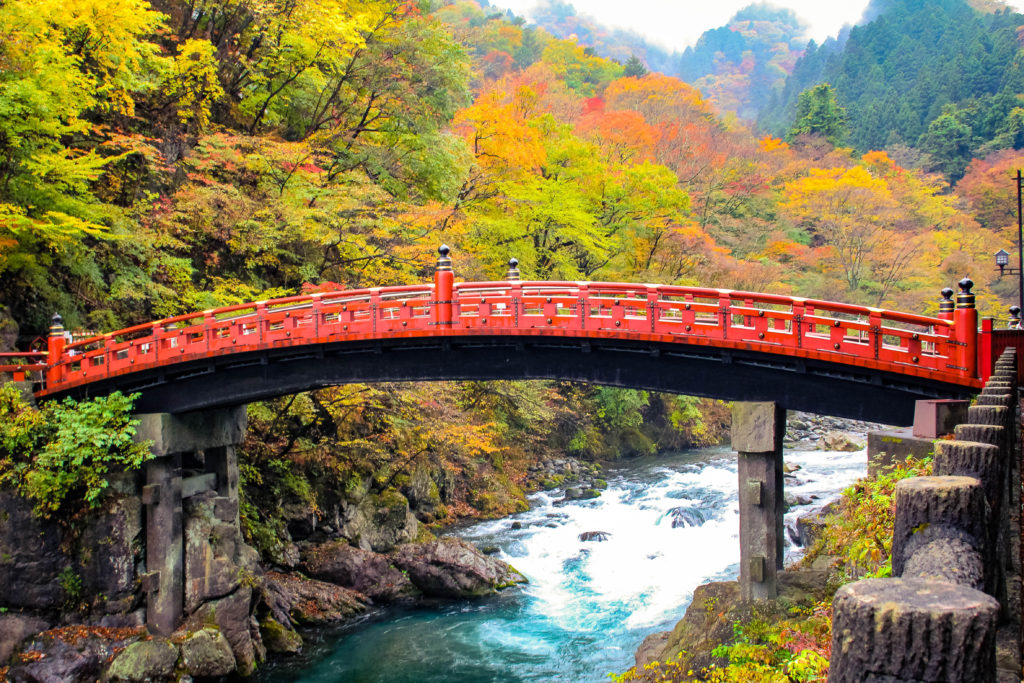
(757, 433)
(163, 582)
(215, 433)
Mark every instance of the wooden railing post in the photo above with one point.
(54, 350)
(965, 327)
(444, 286)
(946, 305)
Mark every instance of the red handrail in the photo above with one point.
(843, 333)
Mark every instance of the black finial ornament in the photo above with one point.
(56, 325)
(444, 262)
(946, 304)
(513, 269)
(965, 298)
(1014, 317)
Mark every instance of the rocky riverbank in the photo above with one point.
(74, 608)
(806, 431)
(73, 597)
(716, 608)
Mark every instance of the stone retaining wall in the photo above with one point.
(956, 556)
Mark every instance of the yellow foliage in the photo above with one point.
(193, 82)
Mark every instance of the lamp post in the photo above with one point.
(1020, 244)
(1002, 260)
(1003, 256)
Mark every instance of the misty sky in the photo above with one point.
(674, 24)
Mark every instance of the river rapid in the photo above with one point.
(669, 524)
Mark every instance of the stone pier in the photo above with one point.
(202, 446)
(757, 433)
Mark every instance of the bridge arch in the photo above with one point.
(819, 356)
(730, 374)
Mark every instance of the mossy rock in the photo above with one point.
(207, 653)
(278, 638)
(146, 660)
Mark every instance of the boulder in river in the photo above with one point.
(837, 441)
(597, 536)
(683, 517)
(293, 599)
(452, 568)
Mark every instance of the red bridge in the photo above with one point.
(805, 354)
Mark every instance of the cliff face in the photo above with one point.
(88, 567)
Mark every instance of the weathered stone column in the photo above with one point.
(215, 432)
(164, 580)
(757, 433)
(223, 461)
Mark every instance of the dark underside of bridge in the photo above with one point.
(797, 384)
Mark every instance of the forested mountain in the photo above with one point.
(562, 20)
(740, 65)
(737, 66)
(938, 75)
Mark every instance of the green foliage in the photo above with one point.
(898, 73)
(948, 142)
(581, 71)
(633, 68)
(61, 455)
(762, 650)
(71, 583)
(817, 113)
(860, 532)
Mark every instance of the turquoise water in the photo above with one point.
(588, 604)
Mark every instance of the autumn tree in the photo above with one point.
(855, 215)
(989, 188)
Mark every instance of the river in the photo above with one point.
(588, 604)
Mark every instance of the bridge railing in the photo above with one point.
(705, 315)
(824, 330)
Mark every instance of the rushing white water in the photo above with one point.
(589, 603)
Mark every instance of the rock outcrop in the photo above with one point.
(452, 568)
(207, 654)
(361, 570)
(146, 660)
(292, 600)
(234, 615)
(714, 610)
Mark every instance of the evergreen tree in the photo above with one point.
(911, 64)
(948, 143)
(819, 114)
(634, 68)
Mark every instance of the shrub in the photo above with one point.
(60, 455)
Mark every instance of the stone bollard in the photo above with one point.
(910, 630)
(970, 459)
(932, 508)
